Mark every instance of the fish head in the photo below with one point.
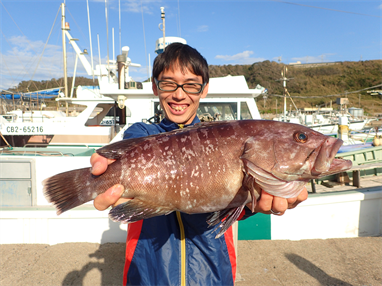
(302, 153)
(294, 152)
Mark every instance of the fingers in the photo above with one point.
(292, 203)
(109, 198)
(269, 204)
(99, 164)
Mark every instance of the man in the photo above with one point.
(179, 249)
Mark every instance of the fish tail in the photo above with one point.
(70, 189)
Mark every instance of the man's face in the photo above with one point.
(179, 107)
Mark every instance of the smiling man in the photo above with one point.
(180, 85)
(179, 249)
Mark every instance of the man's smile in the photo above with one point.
(178, 107)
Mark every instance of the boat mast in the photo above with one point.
(63, 28)
(164, 28)
(90, 38)
(284, 79)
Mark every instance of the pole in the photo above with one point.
(74, 76)
(359, 100)
(63, 28)
(276, 106)
(90, 39)
(164, 33)
(107, 40)
(284, 87)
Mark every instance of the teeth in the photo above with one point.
(178, 107)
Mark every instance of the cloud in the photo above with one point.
(140, 74)
(313, 59)
(240, 58)
(136, 6)
(24, 61)
(203, 28)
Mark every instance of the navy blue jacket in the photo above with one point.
(176, 249)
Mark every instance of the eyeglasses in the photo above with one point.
(194, 88)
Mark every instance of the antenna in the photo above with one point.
(284, 79)
(162, 15)
(90, 39)
(180, 32)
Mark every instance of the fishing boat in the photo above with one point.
(325, 121)
(105, 111)
(66, 141)
(26, 216)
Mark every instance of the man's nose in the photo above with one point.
(179, 94)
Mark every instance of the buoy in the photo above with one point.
(376, 140)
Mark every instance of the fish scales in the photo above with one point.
(188, 181)
(212, 167)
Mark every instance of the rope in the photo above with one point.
(332, 95)
(44, 46)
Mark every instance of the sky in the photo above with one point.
(224, 32)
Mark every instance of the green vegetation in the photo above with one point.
(27, 86)
(312, 80)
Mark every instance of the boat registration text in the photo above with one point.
(24, 129)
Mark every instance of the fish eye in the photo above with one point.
(300, 137)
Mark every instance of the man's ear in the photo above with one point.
(154, 87)
(205, 91)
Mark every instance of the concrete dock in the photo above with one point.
(348, 261)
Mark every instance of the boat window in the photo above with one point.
(244, 111)
(217, 111)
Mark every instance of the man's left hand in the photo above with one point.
(268, 204)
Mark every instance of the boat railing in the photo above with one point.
(47, 145)
(362, 135)
(50, 151)
(4, 151)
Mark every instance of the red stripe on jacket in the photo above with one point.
(133, 233)
(228, 235)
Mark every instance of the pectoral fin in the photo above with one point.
(230, 215)
(135, 210)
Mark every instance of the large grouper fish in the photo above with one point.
(215, 167)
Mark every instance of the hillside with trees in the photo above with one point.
(27, 86)
(312, 81)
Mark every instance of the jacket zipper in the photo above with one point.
(182, 251)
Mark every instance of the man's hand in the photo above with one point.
(268, 204)
(112, 197)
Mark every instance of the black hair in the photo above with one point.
(187, 57)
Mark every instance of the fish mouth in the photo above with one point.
(326, 163)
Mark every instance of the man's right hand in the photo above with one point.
(112, 197)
